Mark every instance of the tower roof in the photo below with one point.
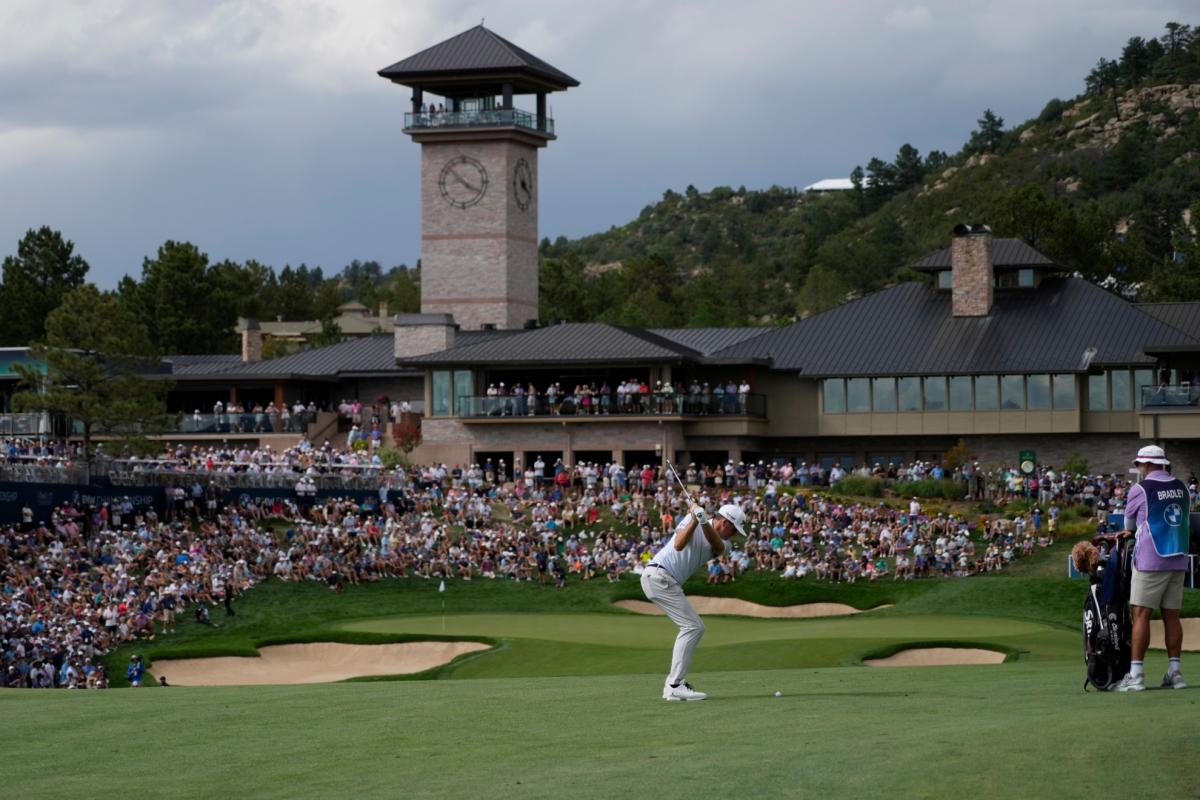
(475, 59)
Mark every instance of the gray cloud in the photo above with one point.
(257, 128)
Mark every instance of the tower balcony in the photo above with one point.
(455, 121)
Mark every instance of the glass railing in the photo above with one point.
(276, 475)
(483, 118)
(43, 470)
(636, 405)
(1168, 396)
(27, 424)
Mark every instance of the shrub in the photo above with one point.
(1075, 464)
(858, 486)
(957, 457)
(1052, 112)
(929, 488)
(392, 458)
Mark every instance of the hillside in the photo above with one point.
(1104, 182)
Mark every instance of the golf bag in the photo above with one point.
(1107, 623)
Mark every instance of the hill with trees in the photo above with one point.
(1106, 183)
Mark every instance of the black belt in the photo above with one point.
(652, 564)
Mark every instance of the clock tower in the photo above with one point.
(479, 174)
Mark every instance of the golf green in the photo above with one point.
(590, 644)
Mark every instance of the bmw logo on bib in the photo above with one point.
(1173, 515)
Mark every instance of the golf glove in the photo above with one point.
(699, 514)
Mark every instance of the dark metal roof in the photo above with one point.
(909, 330)
(1181, 316)
(368, 354)
(708, 340)
(202, 364)
(476, 52)
(570, 343)
(1006, 254)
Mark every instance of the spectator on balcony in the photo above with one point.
(743, 392)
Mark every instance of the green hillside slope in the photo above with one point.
(1104, 182)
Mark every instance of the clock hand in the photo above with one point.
(459, 178)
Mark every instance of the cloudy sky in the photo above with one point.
(258, 128)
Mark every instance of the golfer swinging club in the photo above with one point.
(696, 540)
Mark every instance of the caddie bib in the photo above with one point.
(1167, 510)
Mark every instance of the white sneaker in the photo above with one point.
(1174, 680)
(1130, 684)
(682, 692)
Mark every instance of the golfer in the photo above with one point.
(1156, 513)
(696, 540)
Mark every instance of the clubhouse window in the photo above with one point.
(1098, 392)
(1012, 392)
(1064, 392)
(960, 393)
(935, 394)
(1038, 392)
(883, 394)
(835, 395)
(987, 393)
(910, 394)
(440, 405)
(1141, 379)
(858, 395)
(463, 389)
(1121, 391)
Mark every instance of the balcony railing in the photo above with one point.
(276, 475)
(483, 118)
(1167, 396)
(28, 424)
(637, 405)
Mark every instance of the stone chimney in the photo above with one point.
(420, 334)
(971, 267)
(252, 342)
(383, 309)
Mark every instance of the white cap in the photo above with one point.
(734, 514)
(1152, 454)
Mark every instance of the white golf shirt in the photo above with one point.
(682, 564)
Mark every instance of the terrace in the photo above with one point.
(1169, 411)
(609, 406)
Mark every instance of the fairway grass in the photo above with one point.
(1017, 729)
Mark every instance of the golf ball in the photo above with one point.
(779, 694)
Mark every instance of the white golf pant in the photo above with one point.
(665, 592)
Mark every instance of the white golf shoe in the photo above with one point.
(682, 692)
(1130, 684)
(1173, 680)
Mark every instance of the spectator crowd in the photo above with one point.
(89, 579)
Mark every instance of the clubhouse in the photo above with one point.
(999, 348)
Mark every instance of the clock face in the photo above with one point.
(522, 184)
(463, 181)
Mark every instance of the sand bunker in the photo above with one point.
(1191, 634)
(744, 608)
(937, 657)
(320, 662)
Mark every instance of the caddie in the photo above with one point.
(696, 540)
(1156, 514)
